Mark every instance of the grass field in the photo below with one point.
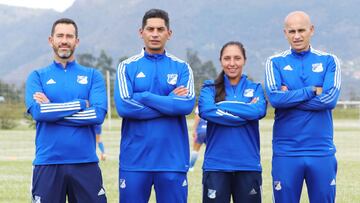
(17, 151)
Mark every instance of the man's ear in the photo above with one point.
(141, 32)
(50, 41)
(77, 42)
(170, 34)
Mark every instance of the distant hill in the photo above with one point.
(203, 26)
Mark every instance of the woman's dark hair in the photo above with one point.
(219, 81)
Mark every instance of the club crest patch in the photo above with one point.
(122, 183)
(172, 79)
(81, 79)
(211, 193)
(249, 93)
(317, 67)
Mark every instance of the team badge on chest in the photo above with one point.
(249, 93)
(317, 67)
(81, 79)
(172, 79)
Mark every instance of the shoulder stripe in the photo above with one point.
(174, 57)
(269, 70)
(190, 83)
(332, 95)
(122, 82)
(318, 52)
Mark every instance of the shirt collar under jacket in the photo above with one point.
(68, 64)
(154, 57)
(301, 54)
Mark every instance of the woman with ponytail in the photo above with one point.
(232, 105)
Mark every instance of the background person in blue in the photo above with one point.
(199, 136)
(99, 142)
(303, 86)
(154, 91)
(66, 100)
(232, 105)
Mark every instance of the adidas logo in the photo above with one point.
(277, 185)
(288, 67)
(333, 182)
(140, 75)
(253, 192)
(101, 192)
(184, 183)
(50, 82)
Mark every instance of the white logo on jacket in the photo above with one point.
(50, 82)
(172, 79)
(288, 67)
(317, 67)
(82, 79)
(249, 93)
(140, 75)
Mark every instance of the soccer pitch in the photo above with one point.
(17, 151)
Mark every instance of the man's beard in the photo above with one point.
(63, 55)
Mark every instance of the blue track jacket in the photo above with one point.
(154, 135)
(65, 127)
(233, 126)
(303, 121)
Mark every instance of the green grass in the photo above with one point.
(17, 152)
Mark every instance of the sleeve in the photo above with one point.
(96, 113)
(248, 111)
(210, 111)
(49, 112)
(172, 105)
(283, 99)
(331, 89)
(126, 105)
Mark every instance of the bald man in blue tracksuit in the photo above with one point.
(303, 86)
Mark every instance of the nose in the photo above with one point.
(297, 35)
(63, 40)
(155, 34)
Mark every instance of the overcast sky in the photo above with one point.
(58, 5)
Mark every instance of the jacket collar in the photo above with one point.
(154, 57)
(303, 53)
(68, 64)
